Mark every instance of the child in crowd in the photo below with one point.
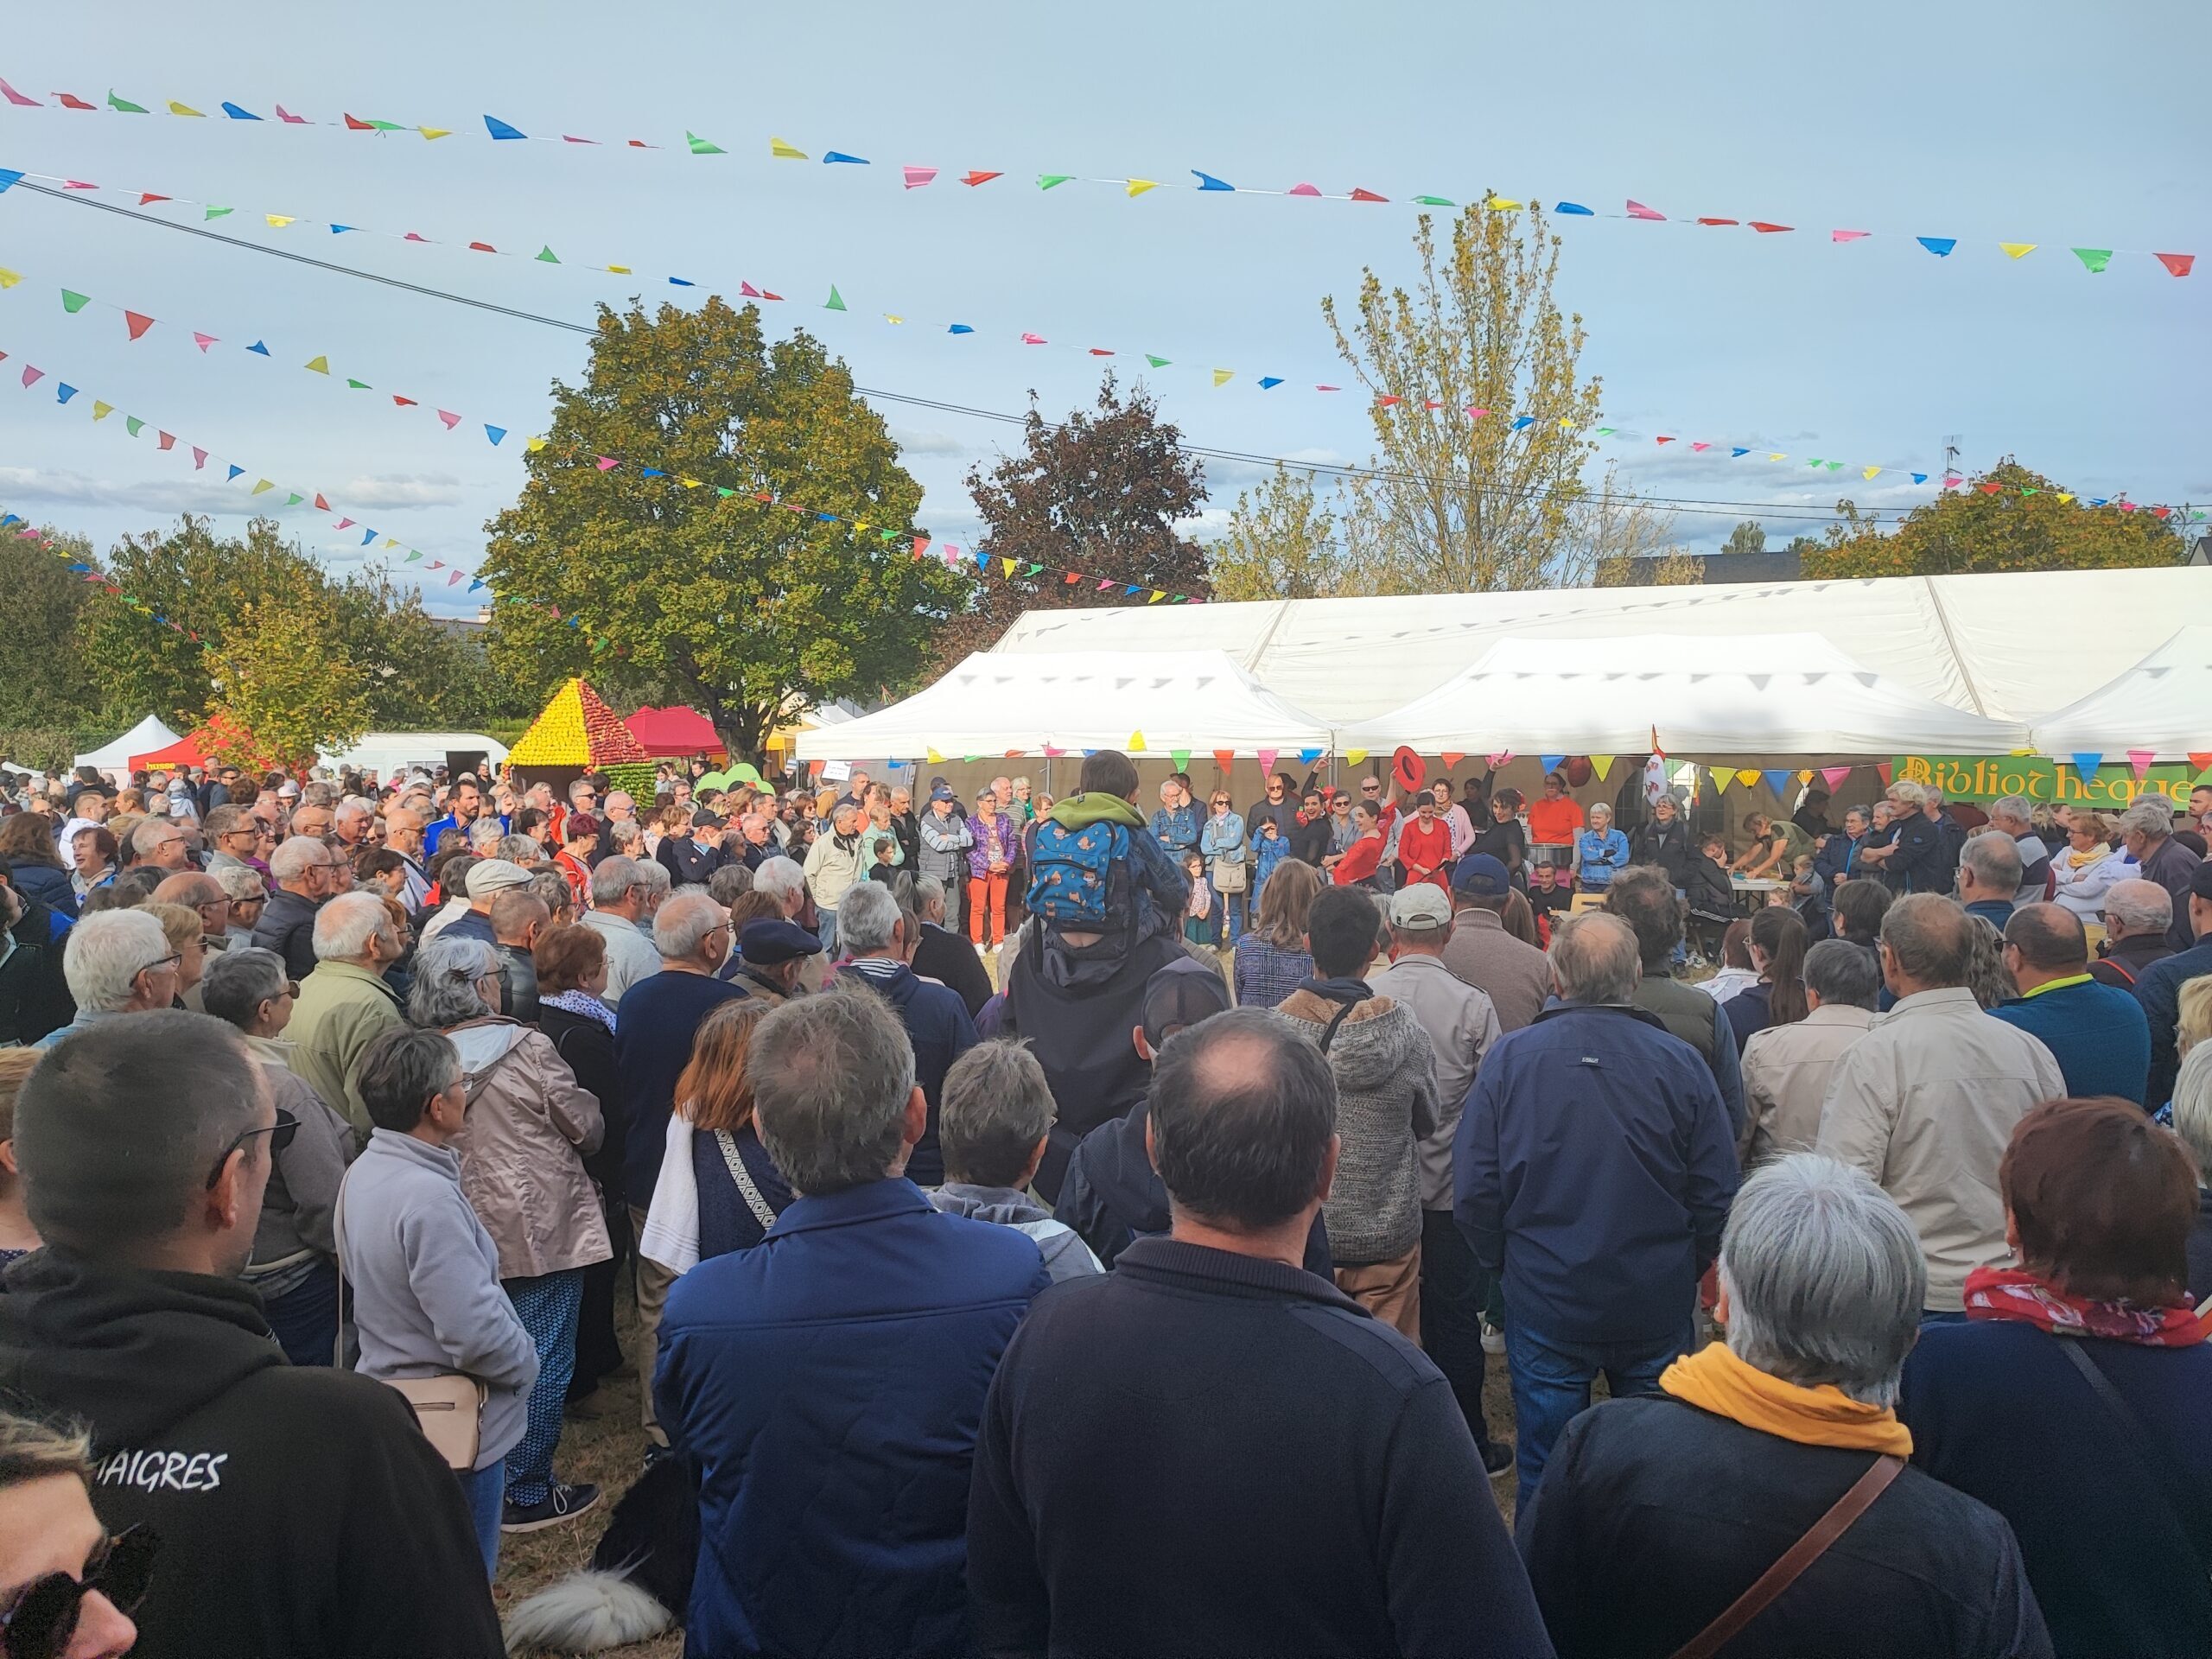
(1269, 847)
(1808, 891)
(1710, 896)
(1198, 925)
(1550, 892)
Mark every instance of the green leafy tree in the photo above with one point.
(1101, 491)
(2024, 524)
(1464, 503)
(285, 683)
(1749, 537)
(745, 611)
(39, 683)
(1281, 543)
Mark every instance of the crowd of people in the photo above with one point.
(1059, 1227)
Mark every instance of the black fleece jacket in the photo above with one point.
(301, 1512)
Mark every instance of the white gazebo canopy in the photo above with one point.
(147, 735)
(1064, 703)
(1733, 694)
(2163, 704)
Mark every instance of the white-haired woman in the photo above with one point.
(1599, 850)
(522, 1152)
(2192, 1111)
(1656, 1514)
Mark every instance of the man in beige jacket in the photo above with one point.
(1787, 1068)
(344, 1004)
(1925, 1102)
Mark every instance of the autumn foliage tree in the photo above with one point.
(1459, 502)
(2026, 523)
(1282, 543)
(1102, 492)
(686, 586)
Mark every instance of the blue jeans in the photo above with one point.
(1946, 1316)
(484, 1491)
(547, 1306)
(826, 931)
(304, 1319)
(1551, 1386)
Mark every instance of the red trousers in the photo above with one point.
(987, 892)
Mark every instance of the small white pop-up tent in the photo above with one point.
(2163, 704)
(1744, 694)
(1064, 703)
(147, 735)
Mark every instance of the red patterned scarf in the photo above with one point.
(2008, 1293)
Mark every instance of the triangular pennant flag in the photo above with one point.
(1450, 760)
(2140, 760)
(2017, 250)
(978, 177)
(1225, 758)
(165, 441)
(1601, 763)
(1136, 743)
(323, 506)
(701, 147)
(1834, 776)
(1869, 472)
(259, 348)
(1138, 187)
(2177, 264)
(495, 433)
(1551, 763)
(1207, 181)
(1309, 756)
(2087, 763)
(1046, 180)
(17, 98)
(1885, 772)
(839, 156)
(451, 419)
(1223, 376)
(1765, 227)
(359, 385)
(1848, 235)
(836, 301)
(2200, 761)
(1353, 757)
(1721, 780)
(1777, 780)
(199, 458)
(1268, 761)
(1746, 776)
(263, 486)
(1181, 758)
(319, 365)
(1940, 246)
(100, 410)
(1008, 565)
(294, 499)
(1637, 210)
(916, 177)
(2095, 259)
(137, 323)
(73, 302)
(1156, 362)
(133, 425)
(125, 106)
(784, 151)
(63, 392)
(1359, 195)
(1269, 382)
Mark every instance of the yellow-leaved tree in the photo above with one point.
(286, 686)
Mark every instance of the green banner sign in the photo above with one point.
(2039, 778)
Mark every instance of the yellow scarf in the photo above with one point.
(1714, 1380)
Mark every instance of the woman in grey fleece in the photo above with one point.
(1385, 1069)
(424, 1273)
(993, 1123)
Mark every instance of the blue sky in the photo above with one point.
(2017, 123)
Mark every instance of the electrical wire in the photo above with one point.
(1782, 511)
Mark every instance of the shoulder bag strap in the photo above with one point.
(338, 1254)
(1329, 1035)
(2145, 1447)
(743, 1176)
(1800, 1555)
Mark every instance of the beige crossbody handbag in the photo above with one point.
(449, 1405)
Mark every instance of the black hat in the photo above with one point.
(1181, 994)
(771, 941)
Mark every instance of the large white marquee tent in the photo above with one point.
(2163, 704)
(1770, 693)
(1065, 702)
(2007, 646)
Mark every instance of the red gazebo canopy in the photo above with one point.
(675, 730)
(185, 752)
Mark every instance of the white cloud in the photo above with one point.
(929, 443)
(402, 492)
(154, 496)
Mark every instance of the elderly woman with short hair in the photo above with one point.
(2076, 1400)
(1657, 1514)
(529, 1127)
(295, 1264)
(2192, 1112)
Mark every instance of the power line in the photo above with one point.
(1783, 512)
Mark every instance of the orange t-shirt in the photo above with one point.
(1554, 824)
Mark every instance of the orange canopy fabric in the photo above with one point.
(185, 752)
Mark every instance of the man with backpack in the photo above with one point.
(1107, 903)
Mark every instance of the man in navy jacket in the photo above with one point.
(881, 937)
(2096, 1032)
(1593, 1169)
(830, 1382)
(1207, 1451)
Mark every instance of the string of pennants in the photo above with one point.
(916, 176)
(15, 524)
(139, 323)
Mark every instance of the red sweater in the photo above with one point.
(1361, 860)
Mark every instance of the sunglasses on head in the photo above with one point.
(279, 1136)
(40, 1619)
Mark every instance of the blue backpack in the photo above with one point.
(1081, 876)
